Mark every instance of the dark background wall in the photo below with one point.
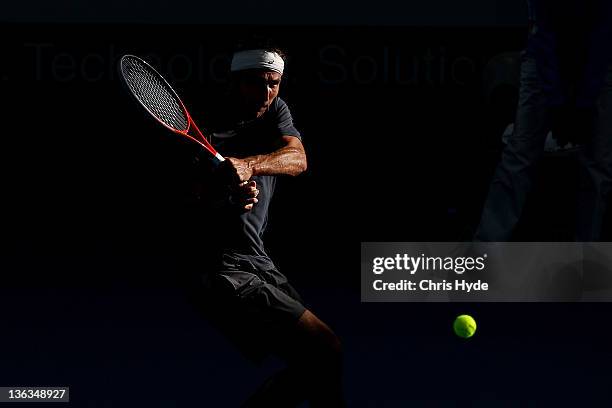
(421, 13)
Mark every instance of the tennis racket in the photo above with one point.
(154, 93)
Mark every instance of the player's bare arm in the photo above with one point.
(290, 160)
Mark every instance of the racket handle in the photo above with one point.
(217, 159)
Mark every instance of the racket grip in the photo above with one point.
(217, 159)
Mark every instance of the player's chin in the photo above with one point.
(261, 112)
(256, 112)
(260, 109)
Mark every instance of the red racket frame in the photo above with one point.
(201, 139)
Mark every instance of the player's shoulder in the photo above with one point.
(278, 105)
(279, 110)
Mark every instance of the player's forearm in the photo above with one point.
(285, 161)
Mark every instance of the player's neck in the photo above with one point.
(239, 111)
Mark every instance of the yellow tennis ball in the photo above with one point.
(464, 326)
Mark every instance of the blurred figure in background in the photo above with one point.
(565, 87)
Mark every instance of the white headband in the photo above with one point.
(257, 59)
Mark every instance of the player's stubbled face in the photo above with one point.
(258, 89)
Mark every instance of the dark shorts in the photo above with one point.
(250, 302)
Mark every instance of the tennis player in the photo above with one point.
(241, 291)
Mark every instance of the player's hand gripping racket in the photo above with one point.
(160, 100)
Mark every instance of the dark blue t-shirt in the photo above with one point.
(238, 232)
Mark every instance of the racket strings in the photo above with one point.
(154, 93)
